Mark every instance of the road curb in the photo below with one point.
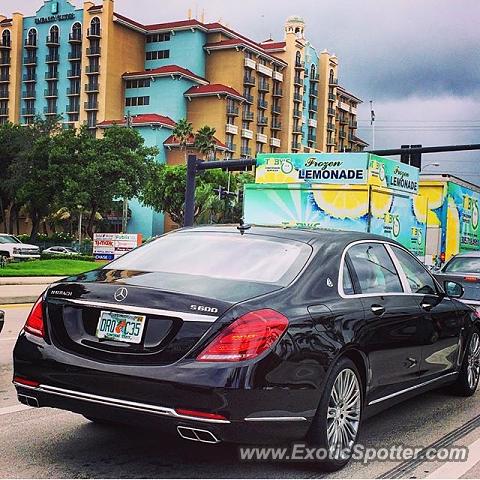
(18, 300)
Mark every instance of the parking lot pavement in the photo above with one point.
(43, 443)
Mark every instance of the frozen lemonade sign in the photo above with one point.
(384, 172)
(312, 168)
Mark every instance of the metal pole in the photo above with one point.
(129, 124)
(190, 191)
(80, 231)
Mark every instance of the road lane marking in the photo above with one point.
(14, 409)
(458, 469)
(16, 305)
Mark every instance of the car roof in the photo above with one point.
(310, 236)
(474, 254)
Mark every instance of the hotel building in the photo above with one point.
(96, 67)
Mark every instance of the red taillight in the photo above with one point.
(470, 279)
(34, 323)
(198, 414)
(247, 337)
(26, 382)
(442, 257)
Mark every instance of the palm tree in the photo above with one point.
(205, 141)
(183, 131)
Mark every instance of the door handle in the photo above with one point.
(427, 306)
(378, 309)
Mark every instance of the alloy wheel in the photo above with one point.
(343, 414)
(473, 359)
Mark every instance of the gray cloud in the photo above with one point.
(418, 59)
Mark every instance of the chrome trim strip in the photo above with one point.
(186, 317)
(275, 419)
(396, 394)
(116, 402)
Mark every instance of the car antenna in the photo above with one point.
(243, 227)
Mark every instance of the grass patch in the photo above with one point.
(48, 268)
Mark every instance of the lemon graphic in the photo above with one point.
(420, 204)
(475, 216)
(342, 203)
(453, 230)
(396, 227)
(287, 167)
(380, 203)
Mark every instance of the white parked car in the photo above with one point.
(60, 251)
(12, 248)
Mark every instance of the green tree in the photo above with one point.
(183, 131)
(164, 191)
(107, 169)
(205, 141)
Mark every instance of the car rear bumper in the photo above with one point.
(149, 396)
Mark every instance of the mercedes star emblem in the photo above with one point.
(121, 294)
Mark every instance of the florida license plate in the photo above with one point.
(122, 327)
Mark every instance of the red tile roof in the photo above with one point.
(147, 118)
(172, 141)
(167, 70)
(179, 24)
(213, 89)
(274, 45)
(129, 20)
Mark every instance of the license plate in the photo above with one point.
(122, 327)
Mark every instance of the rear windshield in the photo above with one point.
(226, 256)
(463, 265)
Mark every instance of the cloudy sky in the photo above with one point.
(418, 60)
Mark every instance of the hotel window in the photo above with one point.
(158, 55)
(6, 38)
(158, 37)
(137, 101)
(143, 83)
(32, 37)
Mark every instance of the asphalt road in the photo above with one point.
(44, 443)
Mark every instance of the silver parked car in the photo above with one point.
(60, 251)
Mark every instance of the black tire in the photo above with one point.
(467, 381)
(324, 422)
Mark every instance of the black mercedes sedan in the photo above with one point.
(249, 335)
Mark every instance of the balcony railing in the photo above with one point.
(342, 134)
(276, 125)
(30, 60)
(5, 45)
(247, 116)
(353, 124)
(231, 147)
(297, 97)
(343, 119)
(333, 81)
(29, 77)
(28, 112)
(313, 106)
(94, 51)
(91, 105)
(314, 92)
(75, 37)
(94, 33)
(262, 121)
(276, 109)
(5, 60)
(263, 86)
(31, 43)
(52, 40)
(232, 110)
(74, 74)
(263, 104)
(50, 110)
(332, 97)
(331, 112)
(330, 127)
(277, 92)
(297, 80)
(73, 91)
(249, 80)
(246, 152)
(249, 98)
(299, 64)
(311, 137)
(72, 108)
(92, 69)
(52, 58)
(3, 111)
(4, 77)
(50, 93)
(91, 87)
(51, 76)
(4, 94)
(297, 112)
(75, 55)
(315, 78)
(295, 145)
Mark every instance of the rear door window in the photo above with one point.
(374, 268)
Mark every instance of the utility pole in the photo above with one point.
(372, 123)
(80, 218)
(129, 123)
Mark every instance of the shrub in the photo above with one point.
(85, 258)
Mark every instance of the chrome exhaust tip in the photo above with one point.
(197, 435)
(30, 401)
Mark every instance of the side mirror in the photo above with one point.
(453, 289)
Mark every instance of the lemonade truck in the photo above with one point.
(452, 216)
(341, 191)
